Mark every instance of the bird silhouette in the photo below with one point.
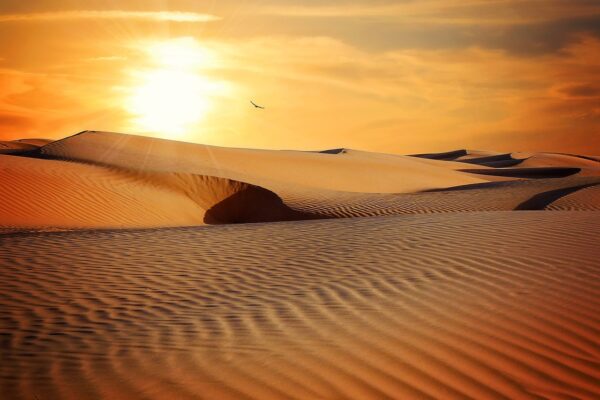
(256, 105)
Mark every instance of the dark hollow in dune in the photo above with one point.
(253, 204)
(529, 173)
(541, 200)
(447, 156)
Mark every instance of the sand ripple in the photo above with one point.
(453, 306)
(587, 198)
(493, 196)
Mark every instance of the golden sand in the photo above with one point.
(368, 276)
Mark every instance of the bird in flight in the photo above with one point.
(256, 105)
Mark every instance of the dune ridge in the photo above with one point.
(352, 171)
(20, 146)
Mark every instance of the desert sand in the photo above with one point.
(141, 268)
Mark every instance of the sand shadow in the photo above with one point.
(254, 204)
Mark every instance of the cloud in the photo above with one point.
(13, 122)
(44, 105)
(521, 27)
(173, 16)
(387, 33)
(583, 90)
(441, 11)
(540, 38)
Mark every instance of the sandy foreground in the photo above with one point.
(139, 268)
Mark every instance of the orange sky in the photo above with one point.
(392, 76)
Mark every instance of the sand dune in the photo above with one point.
(35, 142)
(556, 160)
(493, 196)
(352, 171)
(40, 193)
(471, 274)
(10, 147)
(464, 155)
(529, 173)
(517, 159)
(56, 193)
(452, 306)
(587, 198)
(108, 180)
(21, 145)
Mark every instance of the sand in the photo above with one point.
(138, 268)
(41, 193)
(352, 171)
(480, 305)
(110, 180)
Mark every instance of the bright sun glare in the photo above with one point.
(173, 96)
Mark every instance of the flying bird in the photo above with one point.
(256, 105)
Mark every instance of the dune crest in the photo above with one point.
(351, 171)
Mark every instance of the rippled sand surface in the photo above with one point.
(478, 305)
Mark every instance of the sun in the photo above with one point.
(174, 95)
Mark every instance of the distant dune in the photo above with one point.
(335, 274)
(16, 147)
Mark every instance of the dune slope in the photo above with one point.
(352, 171)
(39, 193)
(587, 198)
(493, 196)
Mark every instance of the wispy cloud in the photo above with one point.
(174, 16)
(516, 26)
(439, 11)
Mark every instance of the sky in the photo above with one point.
(403, 76)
